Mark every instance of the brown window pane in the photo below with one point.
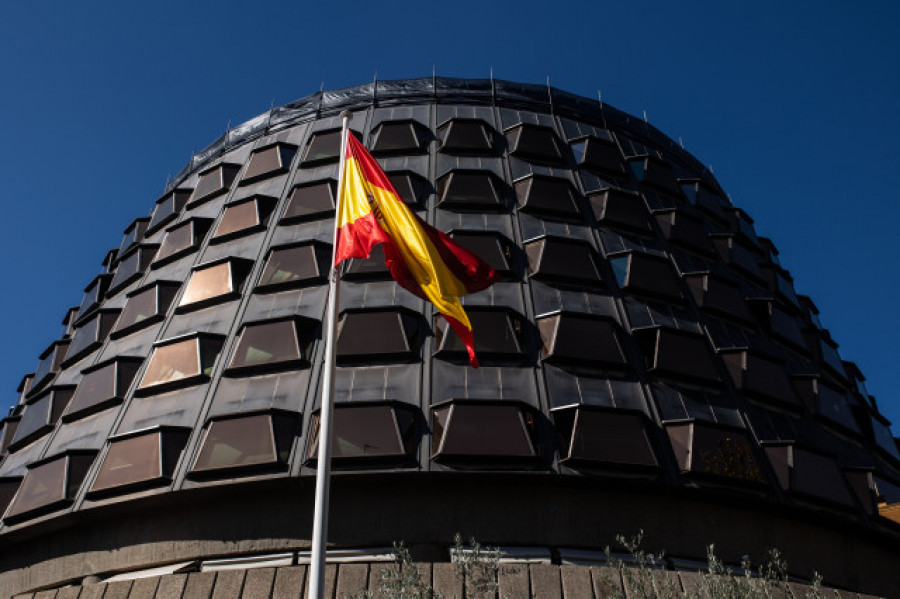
(132, 266)
(310, 201)
(182, 239)
(214, 182)
(378, 335)
(187, 360)
(559, 260)
(366, 431)
(466, 136)
(215, 282)
(129, 461)
(470, 190)
(8, 431)
(610, 438)
(534, 142)
(620, 209)
(50, 363)
(42, 414)
(93, 295)
(102, 386)
(245, 216)
(167, 208)
(43, 486)
(487, 430)
(91, 334)
(495, 249)
(324, 146)
(580, 339)
(270, 161)
(295, 265)
(499, 334)
(551, 196)
(399, 137)
(248, 441)
(134, 234)
(271, 344)
(146, 306)
(8, 487)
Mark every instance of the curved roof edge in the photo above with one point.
(443, 90)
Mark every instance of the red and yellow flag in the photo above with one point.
(421, 259)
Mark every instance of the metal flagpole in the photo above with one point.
(323, 463)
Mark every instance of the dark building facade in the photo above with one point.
(646, 363)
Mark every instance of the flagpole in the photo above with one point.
(323, 463)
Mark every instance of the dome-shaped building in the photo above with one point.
(645, 364)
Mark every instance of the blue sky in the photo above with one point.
(793, 104)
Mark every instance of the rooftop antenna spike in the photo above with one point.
(228, 126)
(493, 90)
(645, 118)
(168, 180)
(375, 87)
(549, 94)
(681, 141)
(602, 112)
(271, 110)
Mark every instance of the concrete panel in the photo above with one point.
(258, 584)
(228, 584)
(351, 579)
(290, 582)
(199, 585)
(513, 580)
(576, 582)
(545, 581)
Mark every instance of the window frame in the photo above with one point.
(286, 153)
(188, 380)
(238, 273)
(304, 342)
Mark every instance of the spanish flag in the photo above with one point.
(421, 259)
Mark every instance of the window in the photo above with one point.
(534, 142)
(145, 306)
(679, 354)
(470, 190)
(738, 255)
(646, 274)
(803, 472)
(482, 431)
(370, 268)
(704, 449)
(167, 208)
(400, 137)
(273, 345)
(182, 239)
(706, 200)
(677, 402)
(180, 362)
(760, 377)
(785, 328)
(719, 296)
(8, 427)
(883, 437)
(466, 136)
(310, 201)
(93, 295)
(368, 433)
(137, 460)
(131, 267)
(618, 208)
(565, 261)
(213, 182)
(51, 360)
(684, 230)
(831, 404)
(269, 161)
(41, 415)
(243, 217)
(134, 234)
(654, 172)
(411, 187)
(68, 321)
(499, 335)
(830, 358)
(493, 248)
(8, 487)
(215, 282)
(598, 155)
(596, 437)
(378, 335)
(581, 339)
(550, 196)
(49, 484)
(323, 147)
(295, 265)
(102, 386)
(90, 335)
(260, 441)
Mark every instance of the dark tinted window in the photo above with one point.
(719, 296)
(679, 354)
(93, 295)
(184, 361)
(811, 474)
(409, 186)
(50, 362)
(534, 142)
(600, 155)
(132, 267)
(470, 190)
(493, 248)
(324, 146)
(760, 377)
(134, 234)
(399, 137)
(372, 267)
(255, 441)
(619, 208)
(214, 182)
(42, 414)
(466, 136)
(604, 437)
(709, 450)
(102, 386)
(182, 239)
(243, 217)
(549, 196)
(146, 306)
(653, 172)
(564, 261)
(269, 161)
(646, 274)
(91, 334)
(276, 344)
(310, 201)
(499, 334)
(683, 229)
(580, 339)
(50, 484)
(368, 432)
(295, 265)
(378, 335)
(488, 430)
(167, 208)
(140, 460)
